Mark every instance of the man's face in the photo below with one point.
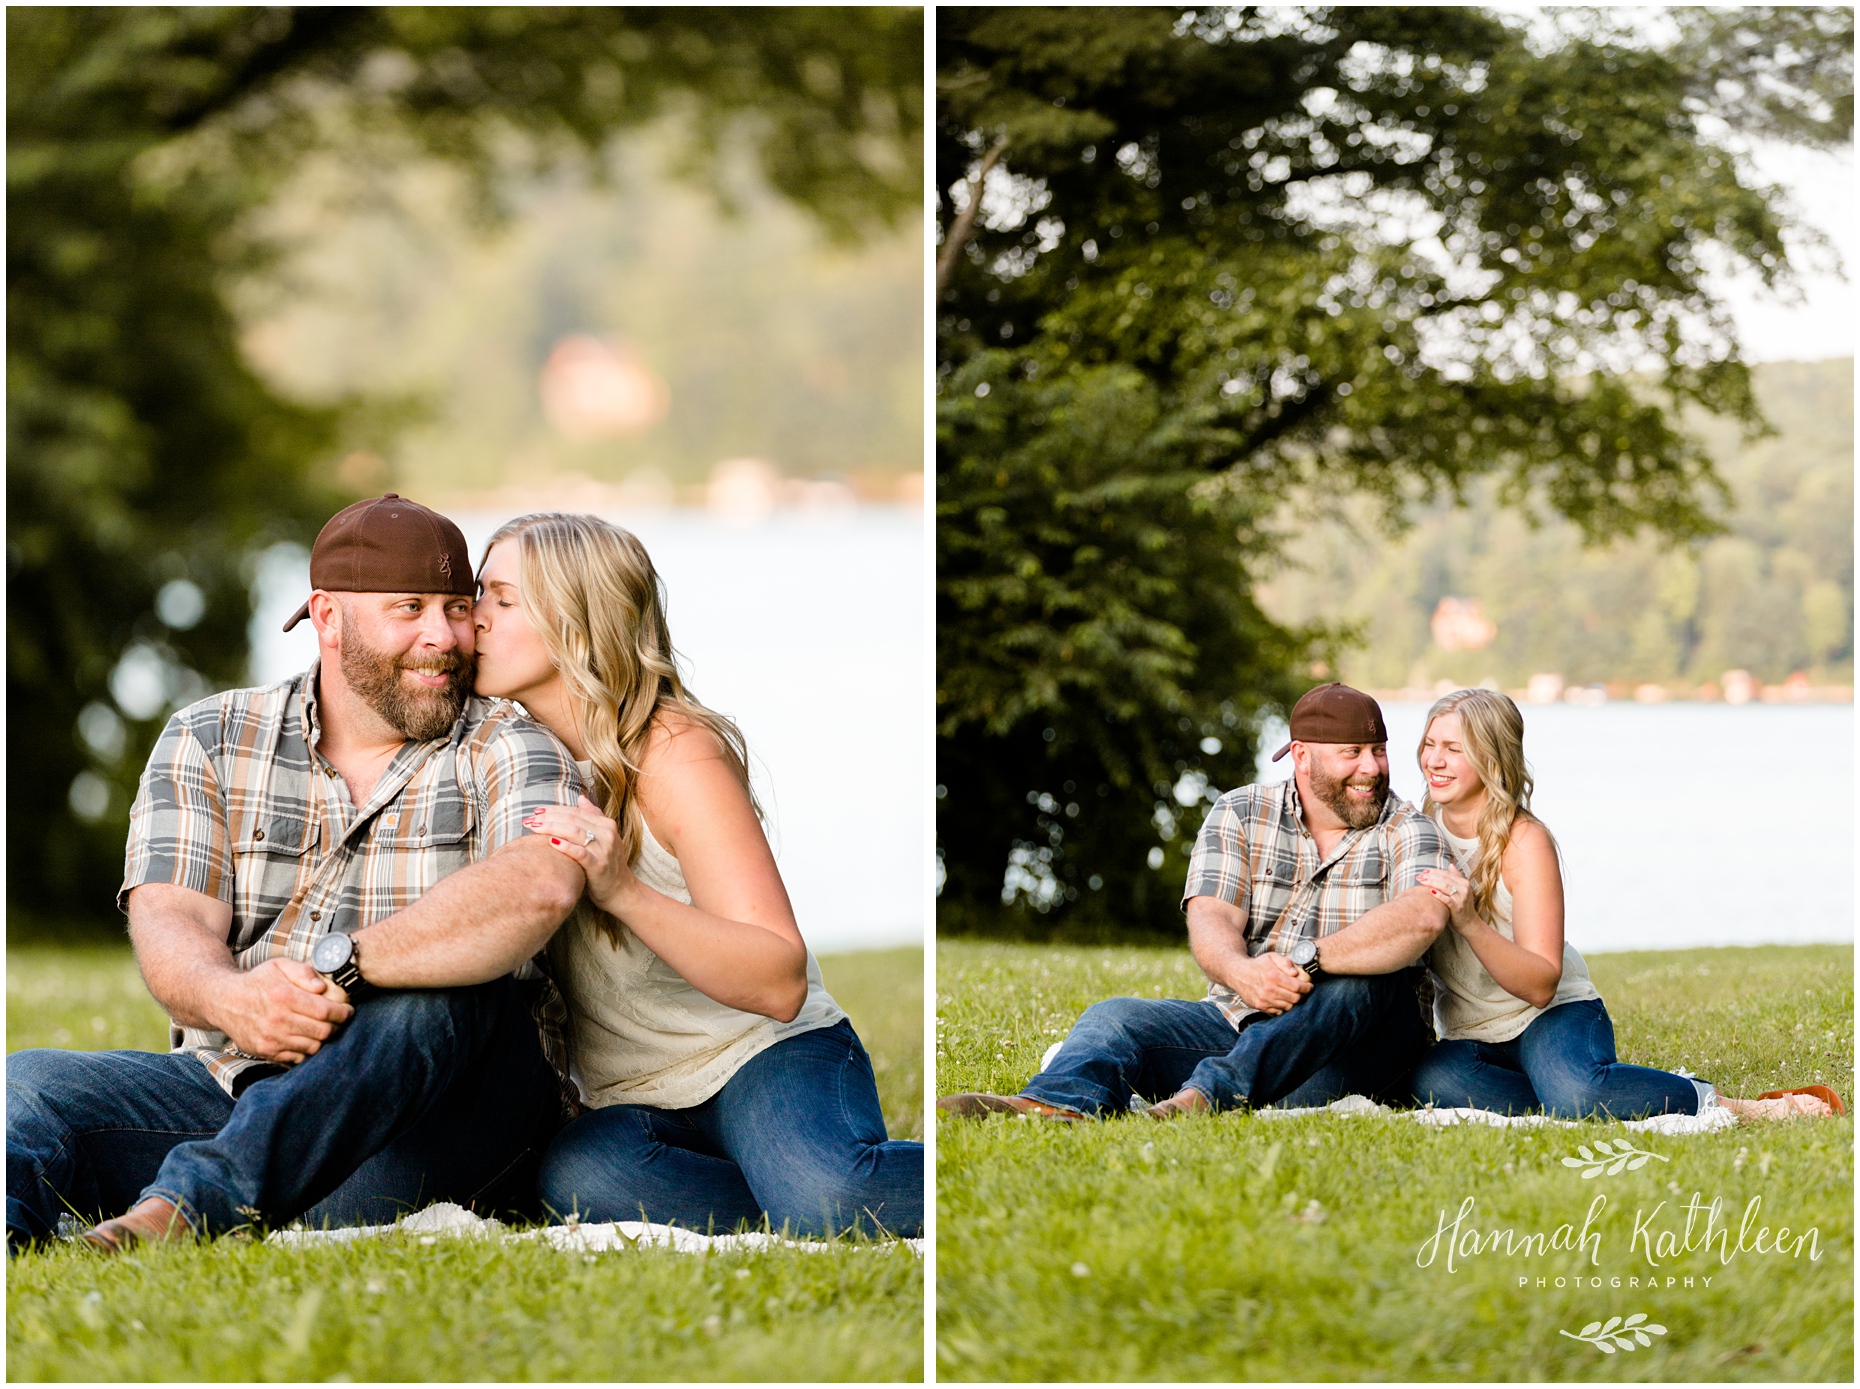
(1352, 779)
(409, 655)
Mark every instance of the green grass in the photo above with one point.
(392, 1309)
(1194, 1250)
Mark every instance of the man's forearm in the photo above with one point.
(1390, 937)
(475, 925)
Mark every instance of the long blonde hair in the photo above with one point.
(1492, 734)
(598, 604)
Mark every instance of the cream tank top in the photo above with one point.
(638, 1033)
(1469, 1005)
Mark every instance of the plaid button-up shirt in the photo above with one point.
(236, 803)
(1255, 852)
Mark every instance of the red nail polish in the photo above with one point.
(555, 841)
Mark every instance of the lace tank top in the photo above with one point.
(1469, 1003)
(638, 1033)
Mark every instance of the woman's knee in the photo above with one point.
(587, 1164)
(1446, 1073)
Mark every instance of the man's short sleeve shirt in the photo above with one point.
(235, 803)
(1255, 853)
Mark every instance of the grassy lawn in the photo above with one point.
(1249, 1248)
(396, 1310)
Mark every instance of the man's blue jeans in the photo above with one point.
(1352, 1034)
(423, 1095)
(1563, 1063)
(795, 1134)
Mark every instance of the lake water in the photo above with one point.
(809, 630)
(1684, 824)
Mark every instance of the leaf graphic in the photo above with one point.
(1574, 1162)
(1586, 1153)
(1592, 1172)
(1624, 1343)
(1590, 1329)
(1640, 1162)
(1653, 1328)
(1606, 1347)
(1634, 1320)
(1604, 1148)
(1615, 1170)
(1641, 1336)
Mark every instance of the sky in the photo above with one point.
(1821, 323)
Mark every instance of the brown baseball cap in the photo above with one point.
(1335, 713)
(389, 545)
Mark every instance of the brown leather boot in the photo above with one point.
(979, 1105)
(1183, 1102)
(154, 1221)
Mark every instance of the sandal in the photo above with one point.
(1823, 1093)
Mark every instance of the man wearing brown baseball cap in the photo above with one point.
(328, 884)
(1307, 914)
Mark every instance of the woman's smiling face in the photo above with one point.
(513, 663)
(1451, 779)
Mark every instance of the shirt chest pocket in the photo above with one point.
(435, 829)
(1272, 887)
(1364, 872)
(259, 835)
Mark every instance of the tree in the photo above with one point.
(147, 463)
(1224, 253)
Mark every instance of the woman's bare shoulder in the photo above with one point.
(677, 739)
(1530, 849)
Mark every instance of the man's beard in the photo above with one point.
(1358, 815)
(419, 714)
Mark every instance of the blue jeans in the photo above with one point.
(1563, 1063)
(796, 1135)
(1352, 1034)
(423, 1095)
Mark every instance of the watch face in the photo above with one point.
(1304, 952)
(331, 953)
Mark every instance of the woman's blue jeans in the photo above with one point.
(1563, 1063)
(796, 1135)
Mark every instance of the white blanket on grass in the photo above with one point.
(1708, 1120)
(443, 1218)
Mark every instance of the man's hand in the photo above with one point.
(1269, 982)
(281, 1010)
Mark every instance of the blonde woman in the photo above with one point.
(1522, 1026)
(722, 1083)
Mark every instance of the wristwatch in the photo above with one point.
(1305, 956)
(335, 957)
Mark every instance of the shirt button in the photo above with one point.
(258, 834)
(421, 830)
(316, 916)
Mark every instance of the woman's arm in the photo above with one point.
(737, 942)
(1530, 964)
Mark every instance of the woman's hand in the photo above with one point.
(588, 836)
(1453, 889)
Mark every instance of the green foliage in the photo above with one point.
(1090, 579)
(1378, 250)
(1285, 1249)
(1772, 596)
(142, 450)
